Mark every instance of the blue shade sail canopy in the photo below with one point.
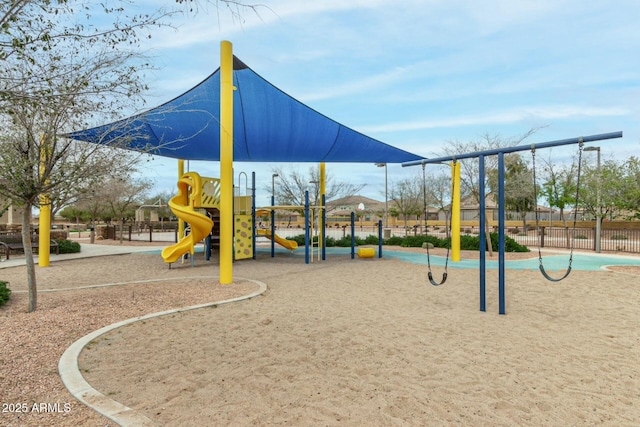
(269, 126)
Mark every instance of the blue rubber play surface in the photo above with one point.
(552, 262)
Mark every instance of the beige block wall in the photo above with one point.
(12, 216)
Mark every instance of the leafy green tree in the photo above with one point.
(613, 190)
(559, 183)
(631, 198)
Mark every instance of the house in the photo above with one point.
(366, 210)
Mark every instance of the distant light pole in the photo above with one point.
(386, 194)
(273, 188)
(598, 209)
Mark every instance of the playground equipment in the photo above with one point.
(285, 243)
(500, 152)
(575, 215)
(269, 234)
(198, 204)
(193, 192)
(366, 252)
(455, 191)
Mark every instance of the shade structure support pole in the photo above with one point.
(180, 222)
(45, 214)
(455, 212)
(226, 163)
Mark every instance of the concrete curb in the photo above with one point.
(82, 390)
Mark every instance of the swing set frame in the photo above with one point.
(500, 152)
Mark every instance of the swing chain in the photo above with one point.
(426, 228)
(575, 212)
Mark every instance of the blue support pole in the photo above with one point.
(353, 235)
(501, 225)
(253, 212)
(306, 227)
(505, 150)
(273, 226)
(482, 236)
(324, 229)
(379, 238)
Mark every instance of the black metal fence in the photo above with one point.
(619, 240)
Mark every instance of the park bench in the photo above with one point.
(12, 242)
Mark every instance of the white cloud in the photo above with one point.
(499, 117)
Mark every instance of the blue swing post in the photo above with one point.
(482, 236)
(353, 235)
(306, 227)
(501, 224)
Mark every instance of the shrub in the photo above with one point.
(371, 240)
(299, 239)
(510, 245)
(68, 246)
(413, 241)
(618, 237)
(5, 293)
(330, 241)
(394, 241)
(437, 242)
(472, 243)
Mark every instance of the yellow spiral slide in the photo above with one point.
(182, 205)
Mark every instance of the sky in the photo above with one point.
(419, 74)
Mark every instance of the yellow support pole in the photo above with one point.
(455, 212)
(180, 222)
(323, 184)
(226, 163)
(44, 222)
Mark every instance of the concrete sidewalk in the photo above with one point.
(88, 250)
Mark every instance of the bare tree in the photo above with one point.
(122, 197)
(58, 75)
(292, 185)
(407, 196)
(67, 65)
(469, 168)
(437, 189)
(519, 194)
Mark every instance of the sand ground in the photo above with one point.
(340, 342)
